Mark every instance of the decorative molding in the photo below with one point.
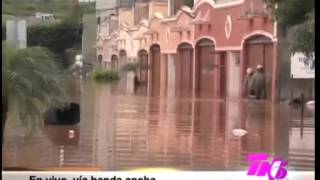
(178, 14)
(258, 32)
(180, 29)
(202, 19)
(228, 26)
(220, 5)
(206, 37)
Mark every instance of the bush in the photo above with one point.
(102, 75)
(134, 67)
(130, 67)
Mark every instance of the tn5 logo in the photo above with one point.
(260, 167)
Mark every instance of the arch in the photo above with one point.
(184, 69)
(155, 57)
(114, 55)
(258, 49)
(142, 49)
(114, 62)
(100, 58)
(143, 69)
(256, 33)
(205, 37)
(153, 44)
(204, 67)
(122, 58)
(123, 52)
(184, 45)
(185, 42)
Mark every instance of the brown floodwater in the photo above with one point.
(120, 130)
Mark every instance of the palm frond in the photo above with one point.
(31, 82)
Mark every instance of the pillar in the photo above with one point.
(274, 86)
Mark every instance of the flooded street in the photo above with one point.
(120, 131)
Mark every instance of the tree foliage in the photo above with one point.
(31, 83)
(56, 37)
(291, 12)
(299, 15)
(304, 37)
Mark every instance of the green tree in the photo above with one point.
(31, 83)
(300, 15)
(291, 12)
(57, 37)
(304, 37)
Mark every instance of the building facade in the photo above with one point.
(201, 51)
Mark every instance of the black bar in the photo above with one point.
(302, 115)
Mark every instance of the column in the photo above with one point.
(274, 86)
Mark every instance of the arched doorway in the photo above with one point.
(143, 71)
(143, 63)
(123, 83)
(184, 70)
(100, 58)
(122, 58)
(204, 75)
(114, 62)
(258, 50)
(155, 57)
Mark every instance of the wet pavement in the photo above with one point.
(120, 131)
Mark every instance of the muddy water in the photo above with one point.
(120, 130)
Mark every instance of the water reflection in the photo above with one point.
(120, 130)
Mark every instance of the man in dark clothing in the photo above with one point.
(136, 82)
(259, 81)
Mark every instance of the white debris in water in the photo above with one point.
(310, 104)
(61, 155)
(239, 132)
(71, 134)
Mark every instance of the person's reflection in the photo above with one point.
(255, 121)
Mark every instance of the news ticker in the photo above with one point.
(119, 175)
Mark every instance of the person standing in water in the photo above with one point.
(248, 84)
(260, 83)
(136, 82)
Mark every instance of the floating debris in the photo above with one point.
(71, 134)
(239, 132)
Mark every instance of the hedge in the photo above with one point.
(102, 75)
